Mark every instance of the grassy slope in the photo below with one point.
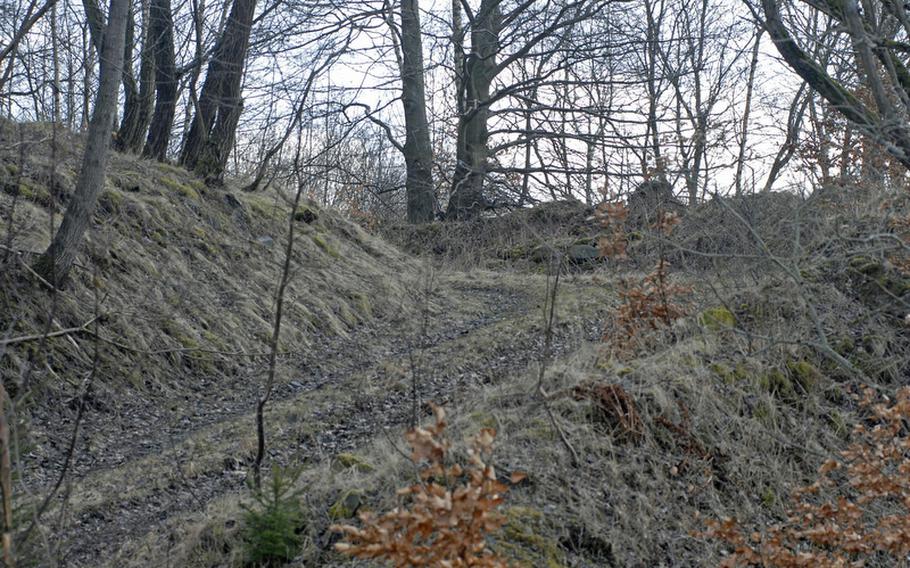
(733, 418)
(179, 267)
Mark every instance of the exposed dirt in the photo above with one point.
(143, 465)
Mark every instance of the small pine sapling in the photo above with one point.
(273, 525)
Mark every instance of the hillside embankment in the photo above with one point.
(157, 346)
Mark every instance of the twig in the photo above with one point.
(40, 278)
(276, 331)
(22, 339)
(550, 315)
(6, 483)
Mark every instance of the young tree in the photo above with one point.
(54, 265)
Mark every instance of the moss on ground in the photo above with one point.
(525, 541)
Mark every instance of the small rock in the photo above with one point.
(583, 253)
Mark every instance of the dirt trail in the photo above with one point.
(145, 468)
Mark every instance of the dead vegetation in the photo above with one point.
(446, 517)
(833, 523)
(750, 335)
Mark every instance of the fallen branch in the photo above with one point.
(68, 331)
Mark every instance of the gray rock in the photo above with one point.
(583, 253)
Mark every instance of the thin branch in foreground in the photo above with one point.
(550, 314)
(276, 332)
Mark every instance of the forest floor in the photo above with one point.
(154, 466)
(792, 306)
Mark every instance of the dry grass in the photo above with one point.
(711, 418)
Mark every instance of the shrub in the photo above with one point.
(445, 519)
(612, 217)
(837, 524)
(652, 303)
(272, 529)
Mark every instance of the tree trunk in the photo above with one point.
(211, 136)
(467, 199)
(418, 153)
(54, 265)
(161, 36)
(744, 131)
(137, 109)
(94, 18)
(130, 88)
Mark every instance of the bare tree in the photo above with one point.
(54, 265)
(522, 30)
(211, 135)
(879, 35)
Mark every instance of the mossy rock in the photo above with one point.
(582, 253)
(541, 253)
(306, 215)
(347, 505)
(866, 265)
(776, 383)
(805, 374)
(717, 319)
(321, 242)
(26, 190)
(345, 461)
(524, 542)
